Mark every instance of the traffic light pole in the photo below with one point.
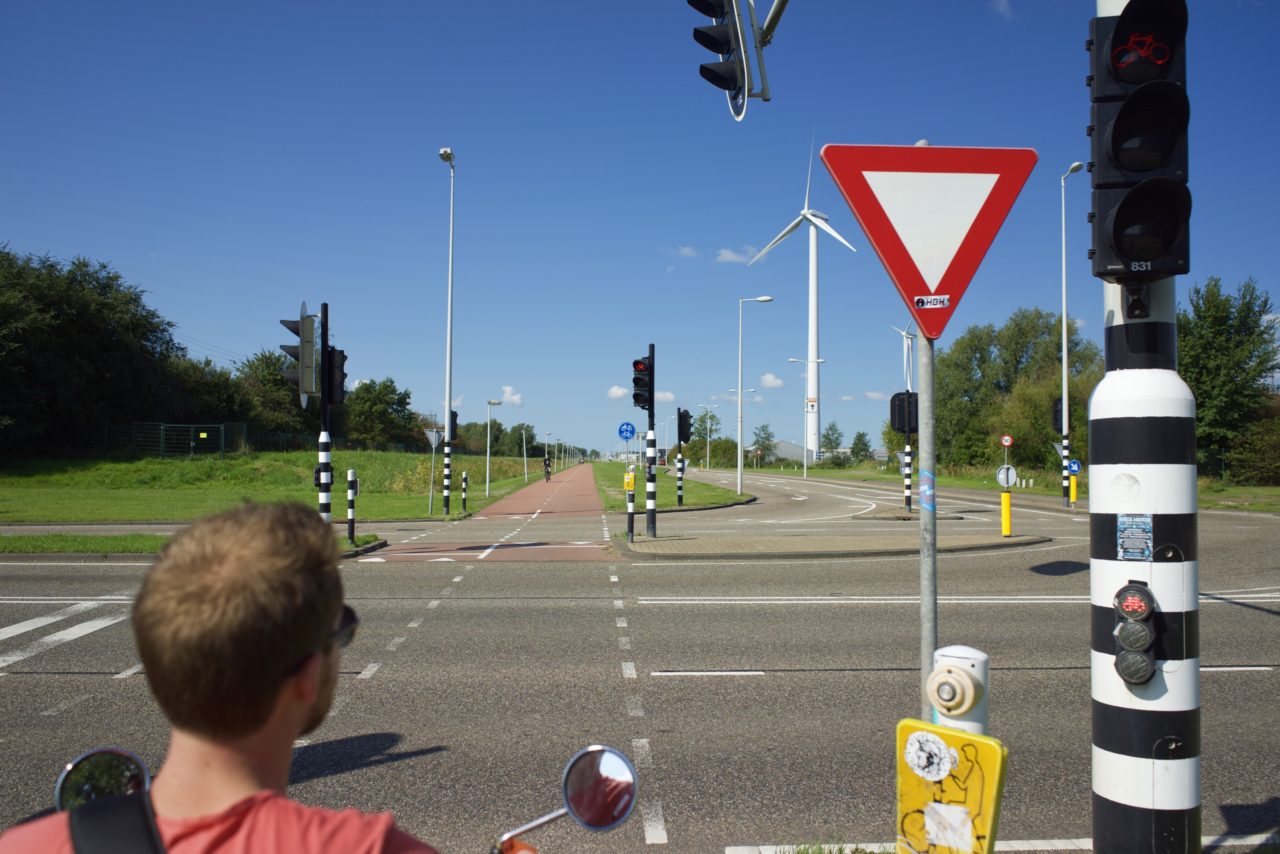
(651, 459)
(325, 496)
(928, 528)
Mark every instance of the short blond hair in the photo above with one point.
(233, 604)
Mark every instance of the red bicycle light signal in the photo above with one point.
(640, 366)
(1134, 602)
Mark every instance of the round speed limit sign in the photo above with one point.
(1006, 440)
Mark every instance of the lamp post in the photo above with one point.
(546, 446)
(488, 433)
(524, 447)
(707, 464)
(446, 154)
(1066, 445)
(805, 452)
(740, 302)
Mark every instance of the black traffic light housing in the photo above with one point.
(1141, 204)
(684, 425)
(642, 382)
(337, 376)
(1135, 633)
(904, 412)
(453, 426)
(726, 39)
(302, 373)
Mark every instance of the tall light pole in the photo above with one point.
(524, 446)
(707, 464)
(740, 302)
(546, 446)
(446, 154)
(488, 433)
(1066, 443)
(805, 452)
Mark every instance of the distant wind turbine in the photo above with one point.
(816, 220)
(908, 351)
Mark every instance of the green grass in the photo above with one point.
(393, 486)
(609, 485)
(113, 544)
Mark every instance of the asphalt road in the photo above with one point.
(757, 698)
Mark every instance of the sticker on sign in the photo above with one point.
(938, 301)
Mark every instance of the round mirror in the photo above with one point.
(101, 773)
(599, 787)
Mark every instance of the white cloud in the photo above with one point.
(510, 397)
(457, 402)
(730, 256)
(616, 392)
(664, 397)
(846, 397)
(1002, 8)
(758, 399)
(770, 380)
(875, 395)
(686, 252)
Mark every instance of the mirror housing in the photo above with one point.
(103, 772)
(599, 787)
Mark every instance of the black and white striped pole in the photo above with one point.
(1144, 570)
(325, 477)
(651, 483)
(629, 484)
(353, 488)
(464, 492)
(679, 480)
(906, 475)
(325, 496)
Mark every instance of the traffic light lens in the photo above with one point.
(1140, 58)
(640, 366)
(1135, 636)
(1135, 668)
(717, 38)
(1134, 602)
(722, 75)
(1151, 218)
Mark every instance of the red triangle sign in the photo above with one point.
(930, 214)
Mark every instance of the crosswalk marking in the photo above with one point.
(38, 622)
(49, 642)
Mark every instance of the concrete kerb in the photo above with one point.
(773, 548)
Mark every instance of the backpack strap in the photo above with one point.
(116, 825)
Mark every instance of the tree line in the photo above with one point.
(80, 350)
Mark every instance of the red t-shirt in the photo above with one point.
(262, 822)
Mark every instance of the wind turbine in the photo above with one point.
(816, 220)
(908, 351)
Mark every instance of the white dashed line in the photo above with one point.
(655, 829)
(369, 671)
(395, 642)
(433, 603)
(624, 643)
(66, 704)
(641, 755)
(622, 622)
(416, 623)
(125, 674)
(635, 708)
(628, 670)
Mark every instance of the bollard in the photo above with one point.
(1006, 514)
(353, 489)
(958, 688)
(679, 480)
(631, 515)
(464, 492)
(1073, 490)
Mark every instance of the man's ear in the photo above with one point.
(305, 684)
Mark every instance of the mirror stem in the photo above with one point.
(533, 825)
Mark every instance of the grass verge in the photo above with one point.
(609, 485)
(114, 544)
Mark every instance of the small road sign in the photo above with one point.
(629, 481)
(930, 214)
(626, 431)
(1006, 476)
(1074, 466)
(1006, 440)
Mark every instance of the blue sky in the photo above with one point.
(233, 159)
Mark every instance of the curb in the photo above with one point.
(364, 550)
(627, 551)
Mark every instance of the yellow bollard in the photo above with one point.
(1073, 489)
(1006, 514)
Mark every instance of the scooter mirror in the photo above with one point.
(599, 787)
(101, 773)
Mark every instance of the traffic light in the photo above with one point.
(642, 382)
(904, 412)
(453, 426)
(1057, 413)
(337, 376)
(725, 38)
(1141, 204)
(1135, 633)
(303, 373)
(684, 426)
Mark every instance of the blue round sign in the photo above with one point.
(1074, 466)
(626, 431)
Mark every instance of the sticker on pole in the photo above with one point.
(930, 213)
(949, 787)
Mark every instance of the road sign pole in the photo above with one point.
(928, 527)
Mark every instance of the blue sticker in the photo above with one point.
(926, 492)
(1133, 536)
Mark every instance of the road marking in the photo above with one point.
(48, 642)
(618, 604)
(369, 671)
(416, 623)
(395, 642)
(66, 704)
(488, 551)
(446, 591)
(70, 563)
(1208, 843)
(371, 560)
(37, 622)
(624, 643)
(1243, 668)
(706, 673)
(456, 580)
(641, 755)
(628, 670)
(614, 579)
(622, 622)
(433, 603)
(125, 674)
(655, 829)
(635, 708)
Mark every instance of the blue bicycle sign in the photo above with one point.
(626, 431)
(1074, 467)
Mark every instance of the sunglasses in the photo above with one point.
(340, 637)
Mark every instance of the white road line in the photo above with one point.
(416, 623)
(369, 671)
(395, 642)
(37, 622)
(1208, 843)
(624, 643)
(64, 600)
(433, 603)
(125, 674)
(706, 673)
(72, 563)
(488, 551)
(628, 670)
(48, 642)
(614, 579)
(1224, 668)
(655, 829)
(456, 580)
(641, 755)
(66, 704)
(622, 622)
(618, 604)
(635, 708)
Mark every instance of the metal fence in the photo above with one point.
(158, 439)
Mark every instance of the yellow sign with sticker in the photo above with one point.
(949, 787)
(629, 481)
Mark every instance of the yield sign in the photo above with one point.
(930, 214)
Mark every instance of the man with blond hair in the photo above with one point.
(240, 626)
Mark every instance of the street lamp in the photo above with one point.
(546, 446)
(1066, 446)
(524, 447)
(805, 452)
(740, 302)
(446, 154)
(488, 432)
(707, 464)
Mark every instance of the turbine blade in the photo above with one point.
(808, 180)
(781, 237)
(829, 230)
